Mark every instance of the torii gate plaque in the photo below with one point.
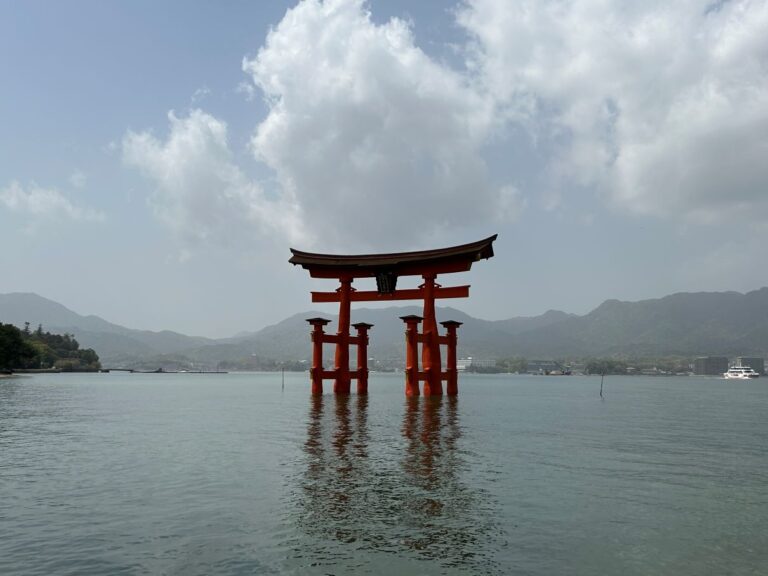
(387, 268)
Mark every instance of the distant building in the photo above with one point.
(544, 366)
(710, 365)
(463, 363)
(472, 363)
(757, 364)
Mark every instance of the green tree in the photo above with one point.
(516, 364)
(41, 349)
(14, 350)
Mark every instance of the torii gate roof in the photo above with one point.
(439, 261)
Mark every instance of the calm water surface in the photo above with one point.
(232, 474)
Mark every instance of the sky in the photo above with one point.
(159, 159)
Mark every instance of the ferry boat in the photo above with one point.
(740, 373)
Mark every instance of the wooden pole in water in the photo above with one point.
(601, 384)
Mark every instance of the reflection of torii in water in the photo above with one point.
(409, 500)
(387, 268)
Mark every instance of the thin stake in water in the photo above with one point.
(601, 384)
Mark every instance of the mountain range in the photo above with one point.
(683, 324)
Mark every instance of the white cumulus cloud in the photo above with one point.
(658, 107)
(34, 201)
(663, 106)
(199, 190)
(378, 143)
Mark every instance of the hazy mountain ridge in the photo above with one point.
(685, 324)
(91, 331)
(679, 324)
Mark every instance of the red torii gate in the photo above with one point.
(387, 268)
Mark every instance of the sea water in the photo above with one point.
(242, 474)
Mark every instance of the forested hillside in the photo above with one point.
(39, 349)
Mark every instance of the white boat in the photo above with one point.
(740, 373)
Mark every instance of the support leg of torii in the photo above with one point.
(452, 373)
(342, 381)
(430, 350)
(411, 354)
(316, 372)
(362, 356)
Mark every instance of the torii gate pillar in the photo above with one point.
(451, 368)
(430, 349)
(411, 354)
(341, 384)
